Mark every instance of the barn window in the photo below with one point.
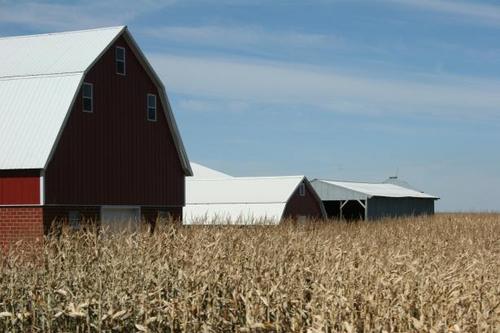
(151, 107)
(302, 190)
(120, 60)
(88, 97)
(74, 219)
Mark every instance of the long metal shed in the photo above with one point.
(371, 201)
(213, 197)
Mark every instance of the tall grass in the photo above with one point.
(437, 274)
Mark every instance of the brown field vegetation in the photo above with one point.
(437, 274)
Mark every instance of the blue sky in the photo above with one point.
(350, 90)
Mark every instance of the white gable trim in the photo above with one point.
(42, 190)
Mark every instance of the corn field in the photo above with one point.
(430, 274)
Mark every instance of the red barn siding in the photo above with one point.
(115, 156)
(19, 187)
(308, 205)
(55, 214)
(20, 223)
(150, 214)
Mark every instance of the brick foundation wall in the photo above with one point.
(20, 223)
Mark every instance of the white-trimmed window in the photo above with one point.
(302, 189)
(88, 97)
(151, 107)
(120, 60)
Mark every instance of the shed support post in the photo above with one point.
(366, 209)
(342, 204)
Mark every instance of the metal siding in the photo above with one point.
(19, 190)
(330, 192)
(64, 52)
(234, 213)
(380, 207)
(32, 111)
(202, 172)
(308, 205)
(115, 156)
(241, 190)
(368, 189)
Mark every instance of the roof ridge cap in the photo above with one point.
(244, 178)
(62, 32)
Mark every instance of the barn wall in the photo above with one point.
(115, 156)
(19, 187)
(54, 215)
(308, 205)
(20, 223)
(379, 207)
(150, 215)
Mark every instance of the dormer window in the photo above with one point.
(120, 60)
(88, 97)
(302, 190)
(151, 107)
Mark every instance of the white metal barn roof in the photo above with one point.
(337, 190)
(55, 53)
(30, 122)
(202, 172)
(238, 200)
(40, 76)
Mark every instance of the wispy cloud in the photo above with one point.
(189, 104)
(486, 13)
(319, 87)
(76, 15)
(248, 38)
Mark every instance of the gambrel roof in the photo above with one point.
(40, 76)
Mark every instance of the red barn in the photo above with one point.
(86, 131)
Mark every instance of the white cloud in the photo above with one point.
(319, 87)
(205, 105)
(76, 15)
(487, 13)
(251, 38)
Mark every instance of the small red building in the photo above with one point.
(86, 131)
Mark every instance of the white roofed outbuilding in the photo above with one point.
(362, 200)
(213, 197)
